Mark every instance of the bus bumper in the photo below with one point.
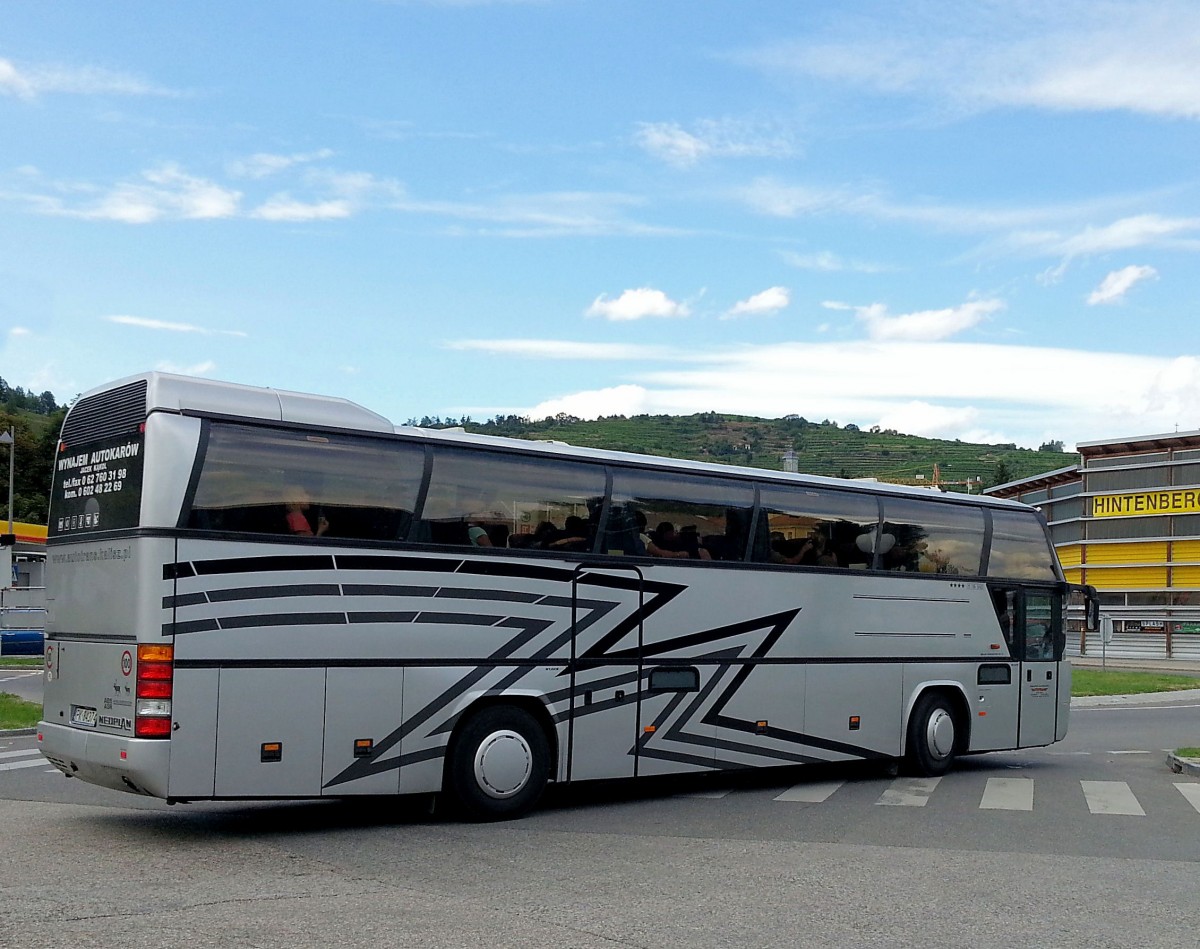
(137, 765)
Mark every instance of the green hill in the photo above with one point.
(822, 448)
(35, 420)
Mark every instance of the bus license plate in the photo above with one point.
(82, 715)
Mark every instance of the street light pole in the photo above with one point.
(9, 438)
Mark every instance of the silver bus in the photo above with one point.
(259, 594)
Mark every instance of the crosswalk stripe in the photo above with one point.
(1111, 797)
(1008, 794)
(19, 754)
(812, 792)
(1192, 793)
(909, 792)
(40, 762)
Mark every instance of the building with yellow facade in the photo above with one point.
(1126, 519)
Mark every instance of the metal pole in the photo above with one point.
(12, 453)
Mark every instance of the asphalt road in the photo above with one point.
(1091, 842)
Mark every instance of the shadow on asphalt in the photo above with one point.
(246, 819)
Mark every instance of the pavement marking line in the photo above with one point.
(1130, 708)
(1191, 792)
(1129, 752)
(1008, 794)
(1111, 797)
(16, 765)
(19, 754)
(812, 792)
(909, 792)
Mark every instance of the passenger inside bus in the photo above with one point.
(478, 536)
(573, 536)
(296, 516)
(667, 542)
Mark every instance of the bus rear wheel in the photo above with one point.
(499, 764)
(934, 736)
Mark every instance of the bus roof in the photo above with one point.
(185, 394)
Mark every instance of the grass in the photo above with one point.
(1188, 752)
(19, 661)
(1124, 682)
(17, 713)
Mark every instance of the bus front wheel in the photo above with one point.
(499, 764)
(934, 735)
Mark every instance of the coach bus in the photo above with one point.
(264, 594)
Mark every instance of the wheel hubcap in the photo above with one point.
(503, 763)
(939, 734)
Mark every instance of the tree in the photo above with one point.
(33, 469)
(1055, 445)
(1002, 475)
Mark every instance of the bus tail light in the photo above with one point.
(155, 687)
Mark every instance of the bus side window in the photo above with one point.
(683, 517)
(364, 488)
(814, 527)
(1020, 548)
(933, 536)
(476, 494)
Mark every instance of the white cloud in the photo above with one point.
(711, 138)
(616, 400)
(561, 349)
(779, 199)
(770, 196)
(17, 332)
(169, 193)
(77, 80)
(769, 301)
(164, 325)
(923, 325)
(1113, 288)
(828, 262)
(195, 369)
(264, 164)
(636, 305)
(163, 192)
(671, 144)
(944, 389)
(283, 207)
(1074, 55)
(13, 82)
(934, 421)
(1136, 231)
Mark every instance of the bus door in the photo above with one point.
(1039, 642)
(606, 676)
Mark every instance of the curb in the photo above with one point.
(1137, 698)
(1183, 765)
(16, 732)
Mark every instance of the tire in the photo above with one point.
(499, 764)
(935, 736)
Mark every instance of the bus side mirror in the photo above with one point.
(1092, 621)
(1091, 605)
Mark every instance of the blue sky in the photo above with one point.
(964, 220)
